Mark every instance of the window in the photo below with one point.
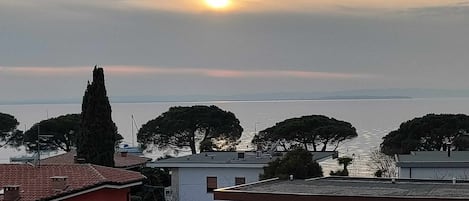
(211, 184)
(240, 180)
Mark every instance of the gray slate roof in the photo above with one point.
(232, 158)
(433, 159)
(219, 157)
(369, 187)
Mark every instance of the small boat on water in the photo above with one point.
(130, 149)
(134, 150)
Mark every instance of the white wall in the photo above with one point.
(434, 173)
(192, 184)
(175, 183)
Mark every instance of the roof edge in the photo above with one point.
(99, 186)
(248, 184)
(226, 193)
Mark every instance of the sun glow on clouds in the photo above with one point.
(290, 5)
(205, 72)
(218, 4)
(250, 6)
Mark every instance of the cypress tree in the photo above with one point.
(97, 139)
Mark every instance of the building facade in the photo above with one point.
(434, 165)
(197, 184)
(194, 177)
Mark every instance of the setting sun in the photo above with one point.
(218, 3)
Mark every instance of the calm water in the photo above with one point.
(372, 118)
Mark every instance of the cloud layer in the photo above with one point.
(204, 72)
(181, 47)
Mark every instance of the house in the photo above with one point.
(194, 177)
(69, 182)
(347, 189)
(122, 160)
(433, 165)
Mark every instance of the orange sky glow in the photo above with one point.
(290, 5)
(216, 73)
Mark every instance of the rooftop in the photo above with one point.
(129, 161)
(433, 159)
(211, 159)
(353, 187)
(35, 182)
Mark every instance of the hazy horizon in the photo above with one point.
(364, 94)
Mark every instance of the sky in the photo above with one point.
(184, 47)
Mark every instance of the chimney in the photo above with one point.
(59, 183)
(123, 154)
(11, 192)
(80, 161)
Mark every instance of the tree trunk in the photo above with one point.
(336, 146)
(67, 148)
(284, 146)
(314, 143)
(324, 147)
(192, 143)
(193, 148)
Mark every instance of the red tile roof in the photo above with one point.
(36, 183)
(120, 162)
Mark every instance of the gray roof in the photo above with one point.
(433, 159)
(359, 187)
(232, 158)
(219, 157)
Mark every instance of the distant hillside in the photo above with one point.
(363, 97)
(334, 95)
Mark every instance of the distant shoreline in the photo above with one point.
(363, 97)
(118, 100)
(359, 94)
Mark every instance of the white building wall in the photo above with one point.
(192, 184)
(434, 173)
(174, 184)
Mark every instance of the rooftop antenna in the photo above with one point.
(38, 142)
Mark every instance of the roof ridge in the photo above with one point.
(97, 172)
(70, 152)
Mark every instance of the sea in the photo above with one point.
(372, 118)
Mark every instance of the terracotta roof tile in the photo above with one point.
(120, 162)
(36, 183)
